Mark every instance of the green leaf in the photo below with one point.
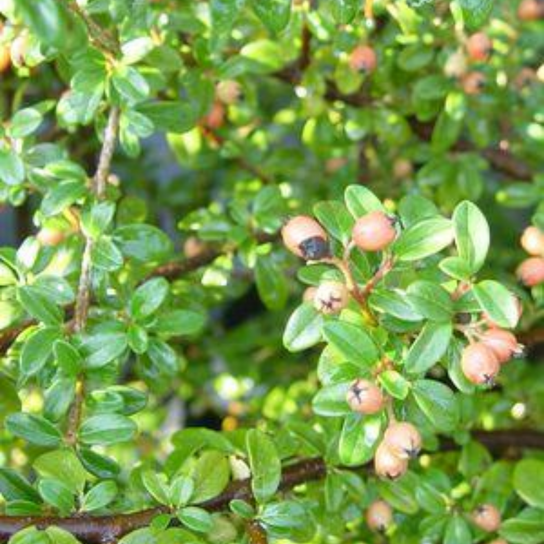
(143, 243)
(36, 302)
(423, 239)
(344, 11)
(438, 403)
(34, 429)
(99, 496)
(271, 283)
(361, 201)
(62, 195)
(395, 384)
(103, 346)
(497, 302)
(169, 116)
(529, 481)
(352, 341)
(336, 220)
(273, 13)
(359, 438)
(47, 19)
(57, 494)
(62, 465)
(130, 84)
(476, 12)
(179, 323)
(288, 520)
(12, 169)
(400, 494)
(148, 297)
(223, 14)
(471, 234)
(156, 485)
(181, 490)
(14, 487)
(458, 531)
(331, 400)
(429, 347)
(60, 536)
(107, 429)
(211, 475)
(303, 330)
(25, 122)
(430, 300)
(265, 465)
(106, 255)
(526, 528)
(196, 519)
(38, 350)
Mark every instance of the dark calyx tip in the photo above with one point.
(315, 248)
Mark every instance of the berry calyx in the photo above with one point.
(479, 364)
(306, 238)
(365, 397)
(403, 439)
(502, 343)
(387, 464)
(531, 271)
(531, 10)
(479, 47)
(374, 231)
(487, 517)
(363, 58)
(379, 516)
(473, 83)
(532, 241)
(331, 297)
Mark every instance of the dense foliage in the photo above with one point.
(276, 262)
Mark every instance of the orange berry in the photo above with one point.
(215, 118)
(403, 439)
(374, 231)
(5, 59)
(531, 10)
(487, 517)
(379, 516)
(473, 83)
(387, 464)
(193, 247)
(365, 397)
(363, 58)
(532, 241)
(305, 237)
(50, 237)
(479, 364)
(531, 271)
(479, 47)
(334, 164)
(502, 343)
(331, 297)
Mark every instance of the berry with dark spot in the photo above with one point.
(365, 397)
(487, 517)
(403, 439)
(306, 238)
(379, 516)
(480, 364)
(331, 297)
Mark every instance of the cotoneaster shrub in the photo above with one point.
(273, 271)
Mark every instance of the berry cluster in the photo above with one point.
(531, 271)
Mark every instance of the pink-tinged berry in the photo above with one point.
(403, 439)
(487, 517)
(502, 343)
(379, 516)
(306, 238)
(402, 169)
(331, 297)
(309, 294)
(479, 47)
(473, 83)
(363, 58)
(365, 397)
(498, 541)
(531, 10)
(480, 364)
(215, 118)
(228, 92)
(532, 241)
(531, 271)
(492, 324)
(374, 231)
(387, 464)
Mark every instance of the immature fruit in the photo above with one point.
(374, 231)
(532, 241)
(531, 10)
(363, 58)
(479, 364)
(50, 237)
(531, 271)
(305, 237)
(497, 541)
(456, 64)
(502, 343)
(334, 164)
(193, 247)
(402, 169)
(525, 77)
(5, 58)
(473, 83)
(379, 516)
(479, 47)
(403, 439)
(387, 464)
(487, 517)
(331, 297)
(228, 92)
(365, 397)
(215, 118)
(309, 294)
(18, 49)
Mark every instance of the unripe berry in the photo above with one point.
(305, 237)
(532, 241)
(228, 92)
(387, 464)
(5, 59)
(456, 65)
(379, 516)
(479, 47)
(50, 237)
(193, 247)
(365, 397)
(403, 439)
(309, 294)
(374, 231)
(363, 58)
(215, 118)
(525, 77)
(473, 83)
(18, 49)
(531, 10)
(334, 164)
(479, 364)
(531, 271)
(502, 343)
(498, 541)
(331, 297)
(402, 168)
(487, 517)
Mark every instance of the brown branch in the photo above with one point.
(100, 529)
(255, 532)
(531, 337)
